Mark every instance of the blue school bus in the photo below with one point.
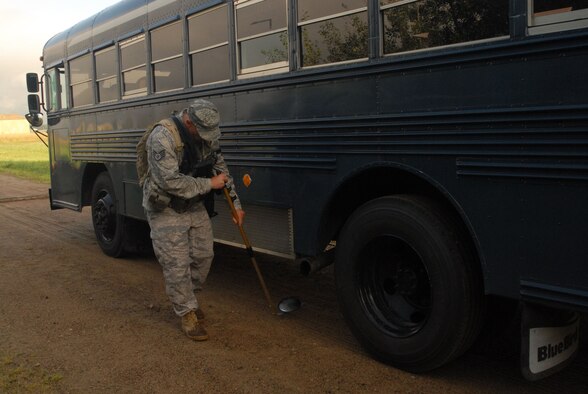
(439, 145)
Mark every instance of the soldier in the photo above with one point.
(178, 181)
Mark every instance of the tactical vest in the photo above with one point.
(142, 162)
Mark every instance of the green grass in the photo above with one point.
(20, 377)
(25, 158)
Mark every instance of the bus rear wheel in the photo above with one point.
(406, 283)
(108, 224)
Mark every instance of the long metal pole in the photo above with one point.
(249, 250)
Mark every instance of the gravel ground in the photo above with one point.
(75, 320)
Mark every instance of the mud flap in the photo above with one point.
(549, 340)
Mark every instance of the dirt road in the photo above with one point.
(75, 320)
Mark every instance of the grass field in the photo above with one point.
(19, 376)
(25, 157)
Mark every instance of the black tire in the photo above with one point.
(108, 224)
(406, 283)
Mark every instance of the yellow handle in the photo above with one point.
(249, 248)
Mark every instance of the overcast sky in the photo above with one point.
(25, 27)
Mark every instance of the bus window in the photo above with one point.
(554, 15)
(106, 75)
(80, 75)
(332, 31)
(262, 36)
(209, 46)
(133, 65)
(421, 24)
(167, 61)
(56, 94)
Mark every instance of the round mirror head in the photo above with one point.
(35, 119)
(289, 304)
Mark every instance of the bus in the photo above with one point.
(434, 150)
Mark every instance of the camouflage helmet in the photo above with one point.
(205, 116)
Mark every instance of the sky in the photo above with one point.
(25, 27)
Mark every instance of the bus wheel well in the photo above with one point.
(91, 172)
(378, 182)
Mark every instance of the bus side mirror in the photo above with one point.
(34, 103)
(34, 116)
(32, 83)
(35, 119)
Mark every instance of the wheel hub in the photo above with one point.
(406, 281)
(103, 216)
(393, 286)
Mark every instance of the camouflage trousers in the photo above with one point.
(183, 245)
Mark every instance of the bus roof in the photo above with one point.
(117, 22)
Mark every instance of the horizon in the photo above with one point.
(11, 117)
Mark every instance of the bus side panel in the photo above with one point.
(519, 168)
(499, 141)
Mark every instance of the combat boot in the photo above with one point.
(200, 315)
(192, 328)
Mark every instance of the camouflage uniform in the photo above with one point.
(183, 242)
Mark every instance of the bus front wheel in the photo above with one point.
(406, 283)
(108, 224)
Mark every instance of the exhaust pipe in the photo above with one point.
(310, 265)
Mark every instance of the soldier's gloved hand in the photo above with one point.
(218, 181)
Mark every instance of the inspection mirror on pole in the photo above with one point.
(286, 305)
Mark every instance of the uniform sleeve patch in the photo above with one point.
(159, 155)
